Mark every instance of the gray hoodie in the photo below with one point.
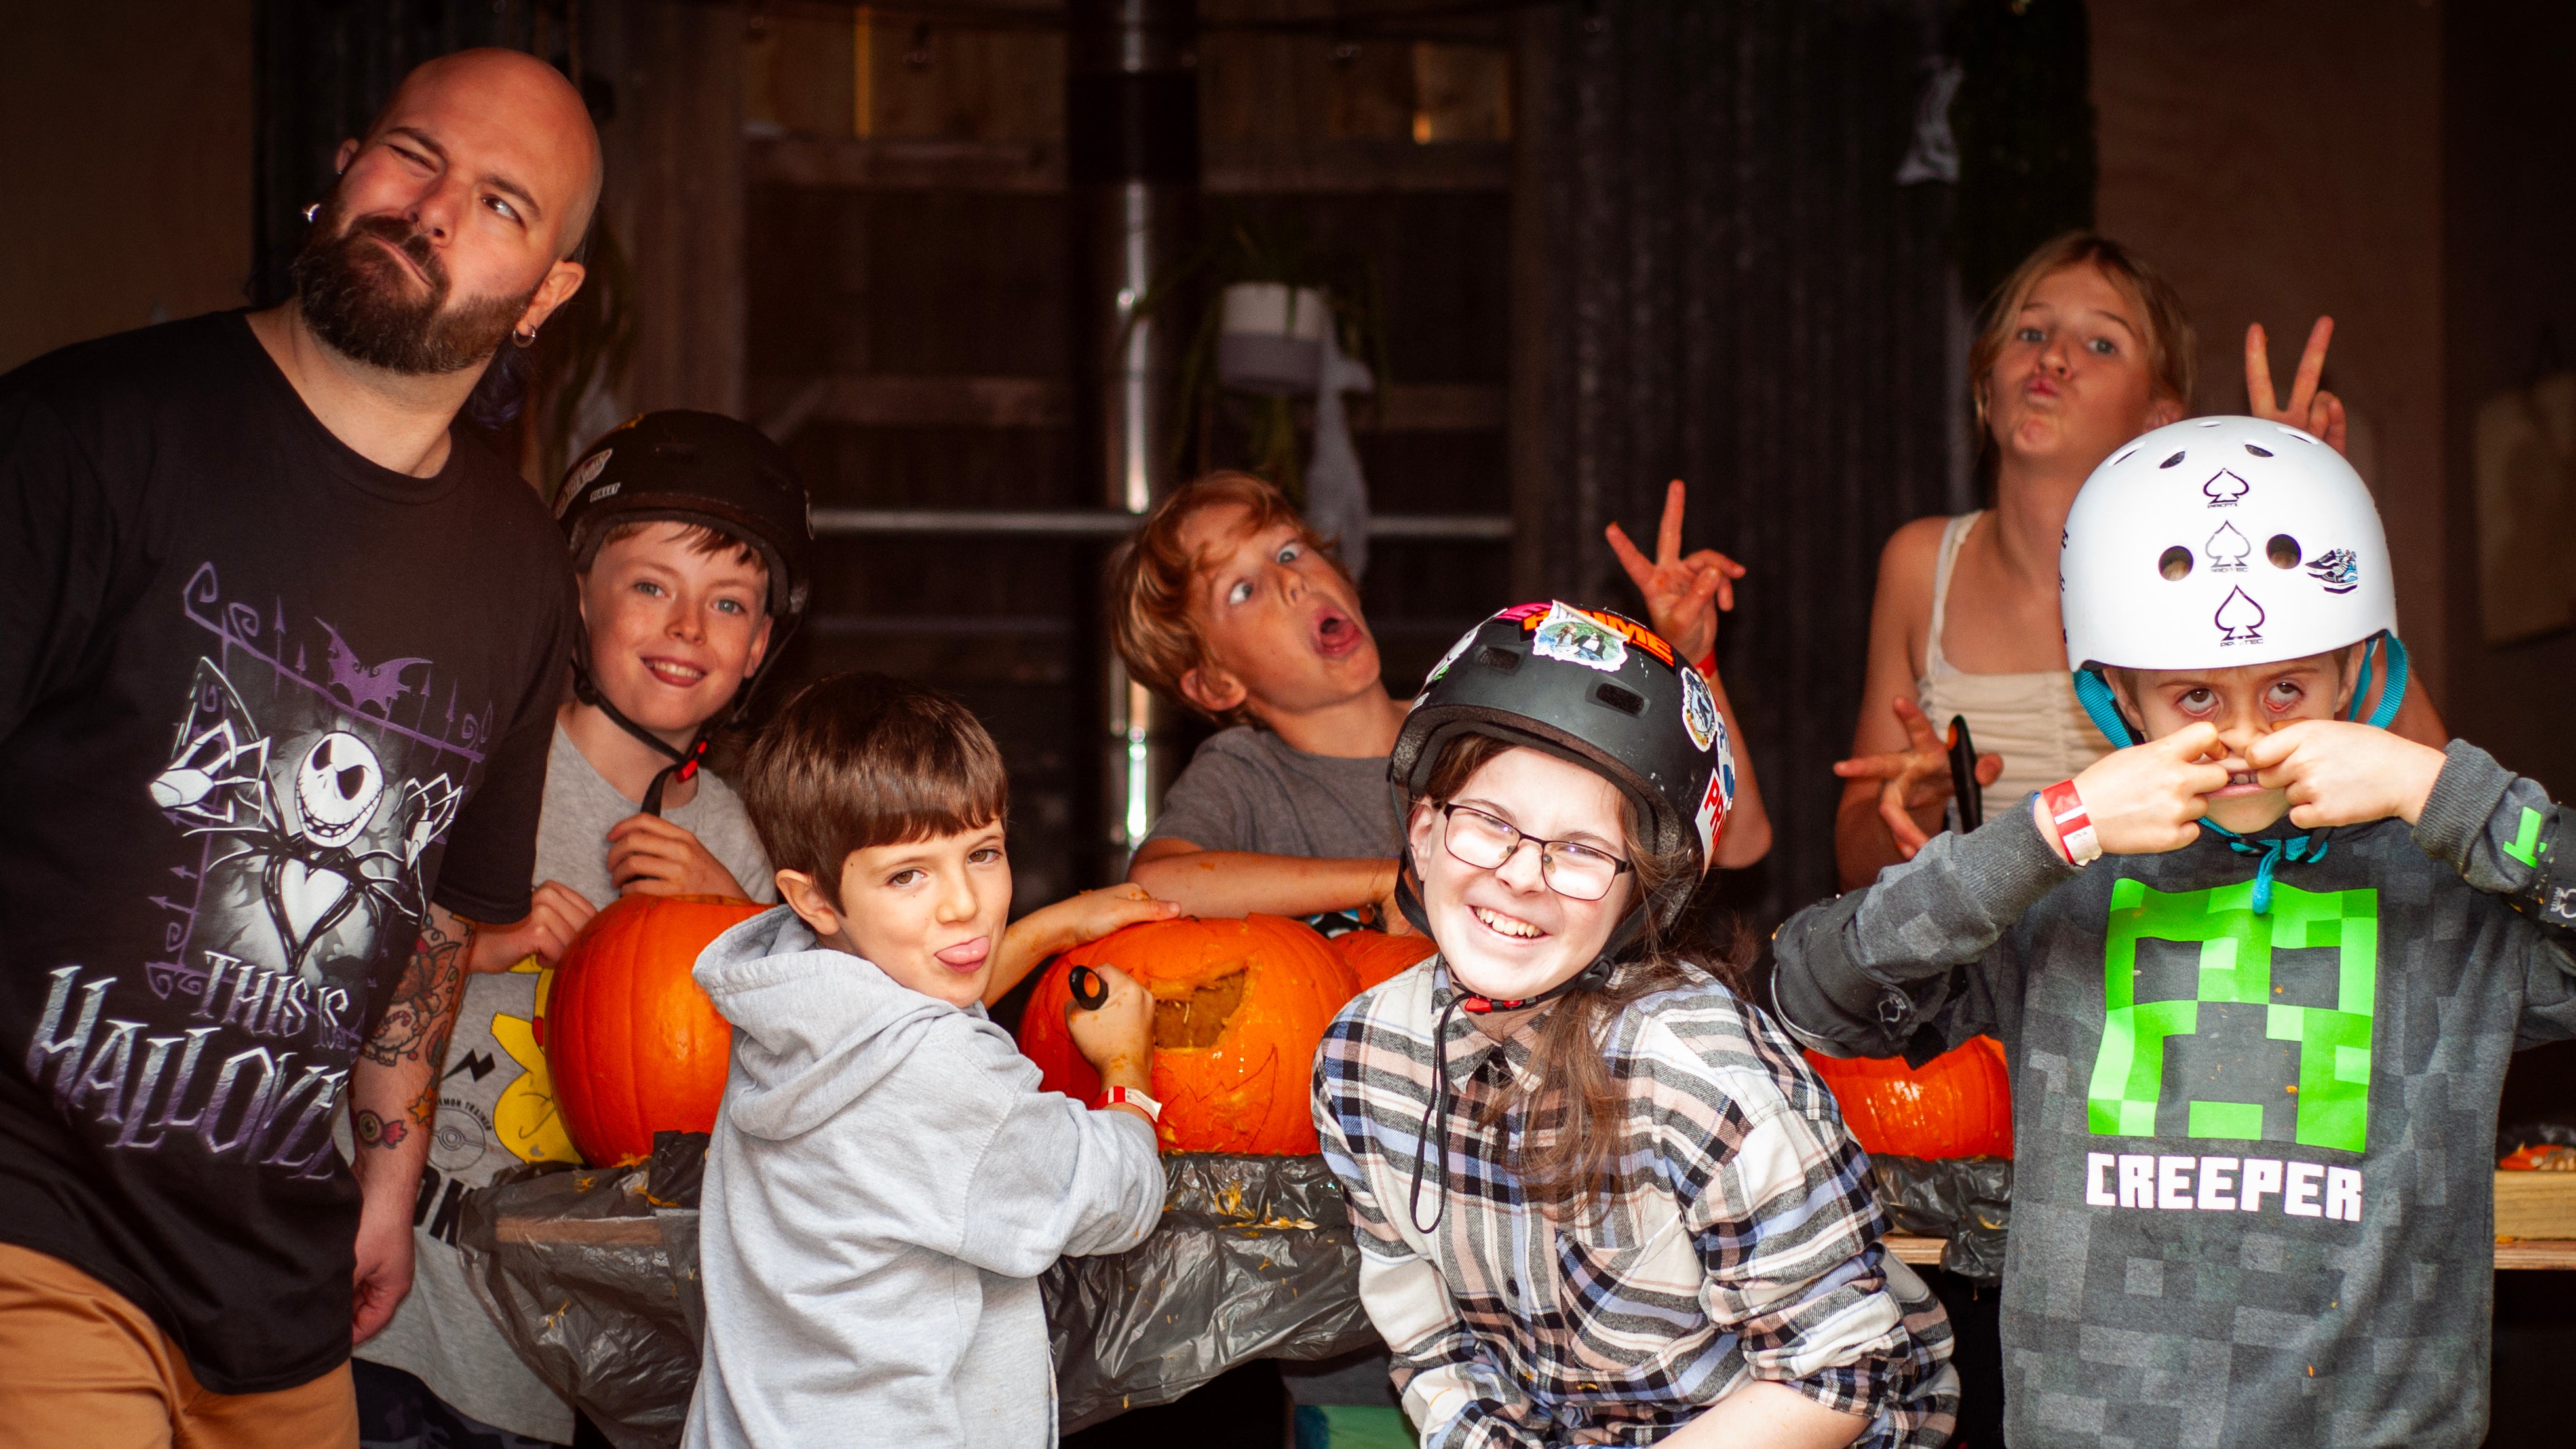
(885, 1184)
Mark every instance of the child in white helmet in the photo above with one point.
(2256, 1053)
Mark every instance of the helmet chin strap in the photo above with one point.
(684, 763)
(2094, 693)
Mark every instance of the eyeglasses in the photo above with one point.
(1576, 872)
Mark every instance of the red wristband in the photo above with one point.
(1707, 666)
(1130, 1097)
(2076, 838)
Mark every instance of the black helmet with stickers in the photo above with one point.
(680, 466)
(1603, 692)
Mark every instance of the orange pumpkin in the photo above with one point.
(1375, 956)
(633, 1045)
(1239, 1008)
(1958, 1105)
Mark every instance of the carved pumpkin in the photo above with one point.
(1958, 1105)
(1239, 1008)
(634, 1046)
(1375, 956)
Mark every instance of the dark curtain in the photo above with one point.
(1738, 293)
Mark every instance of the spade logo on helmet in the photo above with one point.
(2239, 619)
(2224, 489)
(2337, 569)
(2227, 550)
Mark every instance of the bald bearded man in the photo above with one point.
(279, 657)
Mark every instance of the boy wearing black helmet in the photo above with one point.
(690, 544)
(1617, 1204)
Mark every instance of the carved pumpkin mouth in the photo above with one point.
(1194, 1022)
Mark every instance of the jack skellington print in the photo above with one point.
(314, 835)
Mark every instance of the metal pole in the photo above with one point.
(1132, 159)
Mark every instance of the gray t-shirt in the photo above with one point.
(496, 1106)
(1247, 790)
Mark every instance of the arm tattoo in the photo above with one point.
(416, 1022)
(375, 1131)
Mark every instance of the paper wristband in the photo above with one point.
(1707, 667)
(1128, 1097)
(2075, 832)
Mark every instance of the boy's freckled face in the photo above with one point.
(673, 632)
(930, 913)
(2245, 703)
(1275, 614)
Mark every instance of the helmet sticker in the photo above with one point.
(1714, 805)
(1575, 637)
(2226, 550)
(1699, 711)
(2337, 569)
(2239, 619)
(2225, 489)
(1451, 657)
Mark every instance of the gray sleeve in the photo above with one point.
(1865, 973)
(1213, 802)
(1060, 1179)
(2505, 836)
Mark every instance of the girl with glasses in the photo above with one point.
(1599, 1196)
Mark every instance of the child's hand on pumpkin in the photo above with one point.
(555, 913)
(1093, 914)
(650, 855)
(1117, 1037)
(1068, 923)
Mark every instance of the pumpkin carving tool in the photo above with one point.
(1090, 989)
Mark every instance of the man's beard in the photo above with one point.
(356, 299)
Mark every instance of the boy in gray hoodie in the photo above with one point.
(885, 1181)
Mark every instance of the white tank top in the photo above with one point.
(2032, 720)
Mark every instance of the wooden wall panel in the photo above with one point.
(2280, 161)
(127, 164)
(675, 191)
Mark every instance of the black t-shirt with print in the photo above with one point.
(259, 698)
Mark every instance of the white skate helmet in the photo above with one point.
(2217, 542)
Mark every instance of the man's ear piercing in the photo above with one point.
(525, 337)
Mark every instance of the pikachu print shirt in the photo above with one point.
(2254, 1119)
(496, 1103)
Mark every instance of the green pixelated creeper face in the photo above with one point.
(2250, 1027)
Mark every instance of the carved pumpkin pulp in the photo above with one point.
(1239, 1008)
(1375, 956)
(1958, 1105)
(634, 1046)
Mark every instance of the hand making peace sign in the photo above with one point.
(2310, 407)
(1684, 595)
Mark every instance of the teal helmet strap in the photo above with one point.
(2394, 695)
(2094, 693)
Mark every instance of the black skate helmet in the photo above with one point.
(1597, 689)
(680, 466)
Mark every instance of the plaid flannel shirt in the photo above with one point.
(1743, 1243)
